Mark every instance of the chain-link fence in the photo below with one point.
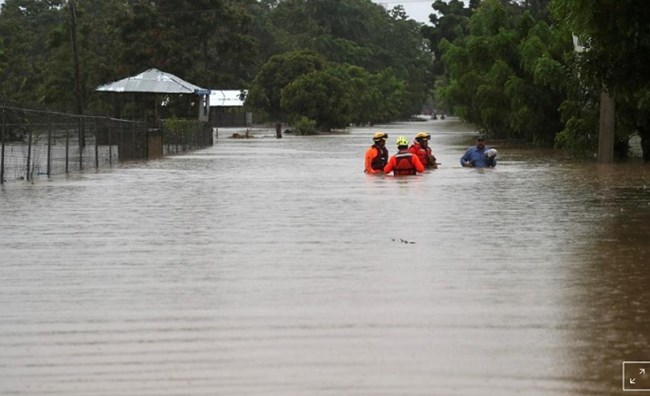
(43, 143)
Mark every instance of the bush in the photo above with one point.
(180, 131)
(304, 126)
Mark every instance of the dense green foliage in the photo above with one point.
(507, 66)
(503, 70)
(235, 44)
(616, 38)
(511, 68)
(303, 84)
(207, 42)
(266, 90)
(363, 50)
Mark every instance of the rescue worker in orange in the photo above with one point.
(404, 162)
(377, 154)
(420, 147)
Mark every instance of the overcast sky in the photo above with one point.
(416, 9)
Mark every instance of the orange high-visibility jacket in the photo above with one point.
(425, 155)
(404, 163)
(375, 161)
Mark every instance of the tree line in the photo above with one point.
(509, 67)
(331, 62)
(534, 70)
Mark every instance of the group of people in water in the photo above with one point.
(409, 160)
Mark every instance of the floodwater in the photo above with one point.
(277, 267)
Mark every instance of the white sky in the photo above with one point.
(416, 9)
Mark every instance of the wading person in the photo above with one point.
(479, 156)
(377, 154)
(404, 162)
(420, 147)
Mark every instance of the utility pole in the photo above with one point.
(606, 129)
(606, 120)
(75, 57)
(77, 74)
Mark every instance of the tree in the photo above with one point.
(265, 92)
(362, 93)
(209, 42)
(359, 33)
(409, 62)
(213, 43)
(506, 74)
(320, 96)
(392, 96)
(344, 94)
(24, 26)
(617, 53)
(3, 60)
(96, 54)
(448, 23)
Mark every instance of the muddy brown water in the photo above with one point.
(277, 267)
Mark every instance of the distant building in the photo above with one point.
(227, 108)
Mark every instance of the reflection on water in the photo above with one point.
(277, 267)
(607, 283)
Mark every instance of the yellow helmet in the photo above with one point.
(422, 135)
(402, 141)
(379, 136)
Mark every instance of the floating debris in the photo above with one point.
(245, 135)
(403, 241)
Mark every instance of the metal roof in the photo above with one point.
(153, 81)
(226, 98)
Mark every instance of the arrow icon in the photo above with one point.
(632, 381)
(642, 371)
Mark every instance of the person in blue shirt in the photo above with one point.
(479, 156)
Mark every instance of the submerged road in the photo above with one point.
(277, 267)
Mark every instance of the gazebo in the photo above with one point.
(151, 90)
(158, 83)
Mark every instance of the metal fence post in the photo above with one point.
(110, 142)
(82, 142)
(120, 152)
(2, 156)
(67, 149)
(96, 146)
(29, 154)
(146, 144)
(49, 148)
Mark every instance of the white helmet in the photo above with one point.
(491, 153)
